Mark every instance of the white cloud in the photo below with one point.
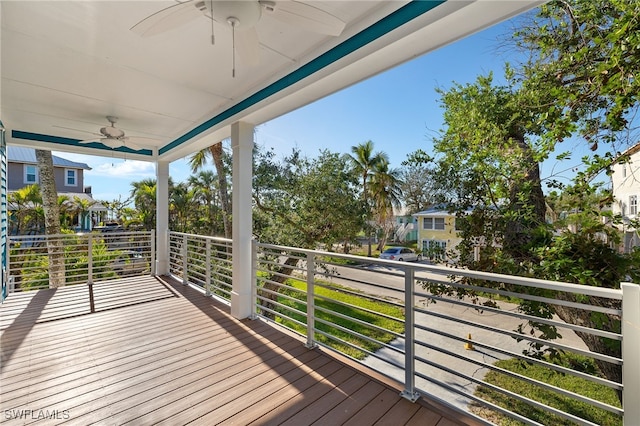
(130, 169)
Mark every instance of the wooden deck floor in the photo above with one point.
(158, 352)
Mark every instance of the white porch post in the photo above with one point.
(242, 223)
(630, 345)
(162, 217)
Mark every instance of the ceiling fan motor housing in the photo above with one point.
(240, 14)
(112, 132)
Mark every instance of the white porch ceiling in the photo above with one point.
(66, 65)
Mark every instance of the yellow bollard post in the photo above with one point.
(469, 346)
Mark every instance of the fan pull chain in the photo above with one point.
(233, 69)
(213, 37)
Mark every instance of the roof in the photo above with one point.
(438, 211)
(434, 211)
(16, 154)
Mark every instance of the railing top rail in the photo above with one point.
(608, 293)
(79, 234)
(208, 237)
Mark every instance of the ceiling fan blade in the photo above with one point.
(307, 17)
(248, 46)
(169, 18)
(77, 130)
(91, 140)
(139, 142)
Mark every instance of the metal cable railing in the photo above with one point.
(87, 257)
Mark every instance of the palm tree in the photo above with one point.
(183, 207)
(365, 162)
(386, 194)
(23, 202)
(55, 246)
(197, 162)
(65, 211)
(144, 199)
(205, 182)
(81, 208)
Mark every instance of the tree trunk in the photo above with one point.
(530, 212)
(279, 277)
(598, 321)
(55, 246)
(216, 153)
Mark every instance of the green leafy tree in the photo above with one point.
(303, 202)
(419, 190)
(584, 56)
(489, 157)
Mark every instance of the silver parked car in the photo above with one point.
(401, 254)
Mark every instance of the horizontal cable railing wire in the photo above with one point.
(88, 257)
(203, 261)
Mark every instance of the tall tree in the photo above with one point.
(488, 156)
(55, 246)
(205, 183)
(197, 162)
(585, 56)
(419, 190)
(365, 161)
(386, 195)
(144, 198)
(303, 203)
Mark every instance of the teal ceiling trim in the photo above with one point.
(387, 24)
(18, 134)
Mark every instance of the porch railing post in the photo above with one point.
(9, 282)
(153, 261)
(185, 278)
(409, 338)
(207, 267)
(254, 278)
(311, 312)
(90, 258)
(630, 359)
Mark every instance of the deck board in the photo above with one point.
(157, 352)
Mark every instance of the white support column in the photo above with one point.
(630, 347)
(162, 217)
(242, 224)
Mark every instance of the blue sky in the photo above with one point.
(398, 110)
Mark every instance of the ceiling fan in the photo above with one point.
(113, 137)
(241, 16)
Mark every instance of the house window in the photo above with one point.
(30, 174)
(633, 204)
(436, 223)
(70, 177)
(434, 249)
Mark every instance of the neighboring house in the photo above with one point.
(22, 170)
(406, 227)
(625, 186)
(436, 232)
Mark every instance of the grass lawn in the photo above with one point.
(575, 384)
(360, 307)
